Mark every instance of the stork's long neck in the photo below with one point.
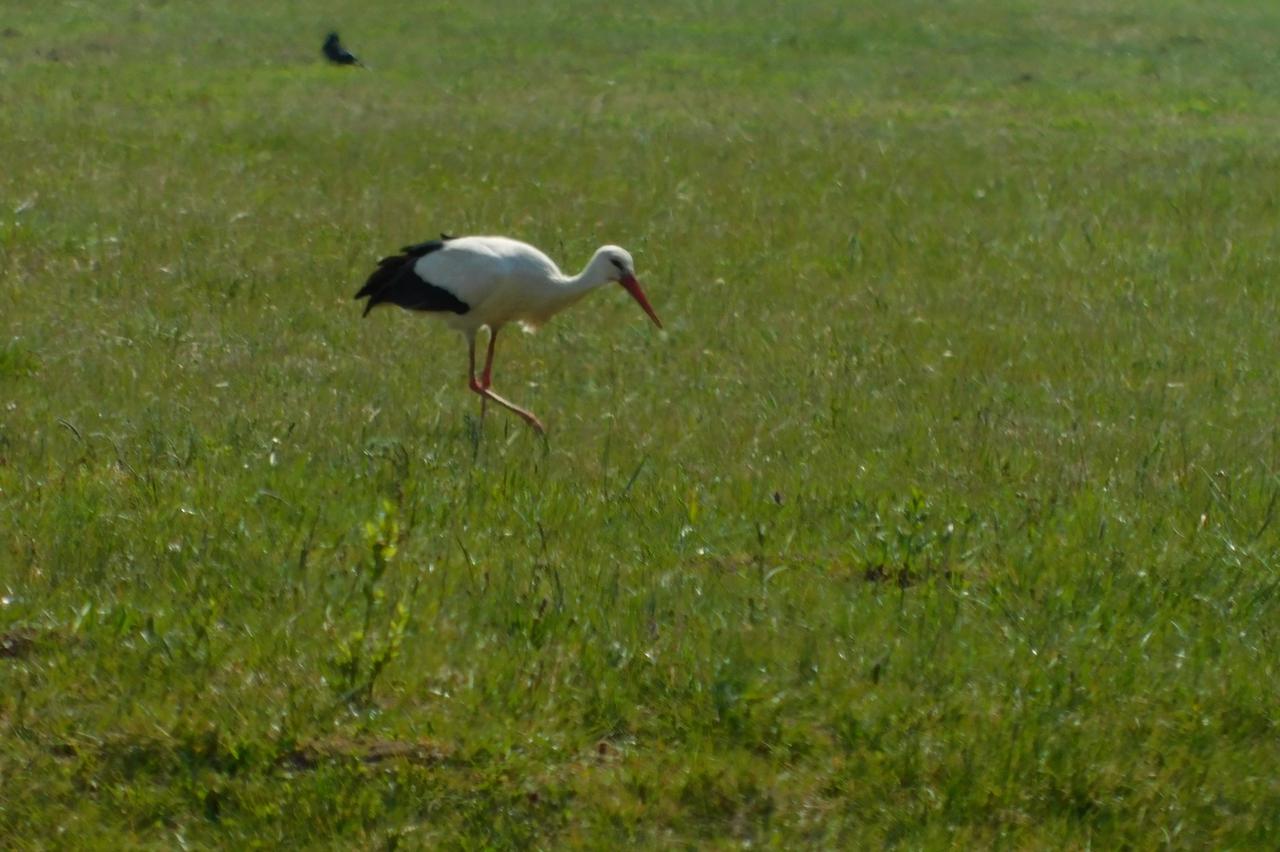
(595, 274)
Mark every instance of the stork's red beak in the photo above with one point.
(632, 286)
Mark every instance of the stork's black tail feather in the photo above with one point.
(395, 282)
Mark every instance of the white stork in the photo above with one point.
(471, 282)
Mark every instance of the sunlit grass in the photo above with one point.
(942, 513)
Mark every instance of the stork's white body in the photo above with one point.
(475, 282)
(503, 280)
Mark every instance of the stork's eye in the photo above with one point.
(617, 263)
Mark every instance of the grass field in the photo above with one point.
(941, 514)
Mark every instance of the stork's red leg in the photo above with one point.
(482, 385)
(486, 378)
(471, 371)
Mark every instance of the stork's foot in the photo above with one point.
(528, 416)
(532, 420)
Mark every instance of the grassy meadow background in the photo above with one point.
(941, 514)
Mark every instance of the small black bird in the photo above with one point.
(337, 54)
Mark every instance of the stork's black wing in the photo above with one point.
(396, 282)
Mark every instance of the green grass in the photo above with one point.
(942, 513)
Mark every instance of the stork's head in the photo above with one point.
(618, 266)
